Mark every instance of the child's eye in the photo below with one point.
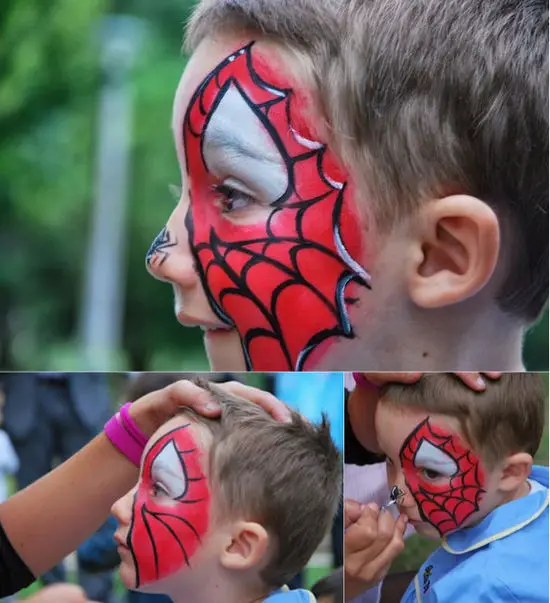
(232, 199)
(430, 474)
(159, 490)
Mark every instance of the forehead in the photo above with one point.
(394, 425)
(212, 51)
(199, 433)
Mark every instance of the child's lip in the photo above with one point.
(188, 321)
(120, 540)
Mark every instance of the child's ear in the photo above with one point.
(455, 248)
(247, 548)
(515, 471)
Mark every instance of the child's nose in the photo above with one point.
(122, 508)
(169, 258)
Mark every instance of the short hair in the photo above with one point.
(428, 98)
(285, 476)
(508, 417)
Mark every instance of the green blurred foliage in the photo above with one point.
(49, 93)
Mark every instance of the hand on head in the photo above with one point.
(362, 402)
(154, 409)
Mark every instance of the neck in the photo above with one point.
(520, 492)
(456, 338)
(216, 589)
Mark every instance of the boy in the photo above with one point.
(364, 183)
(228, 510)
(462, 462)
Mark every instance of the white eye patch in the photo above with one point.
(237, 143)
(430, 457)
(168, 469)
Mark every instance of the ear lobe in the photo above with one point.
(247, 548)
(454, 251)
(515, 471)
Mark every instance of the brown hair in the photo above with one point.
(508, 417)
(427, 98)
(285, 476)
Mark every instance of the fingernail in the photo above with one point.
(480, 382)
(405, 519)
(372, 506)
(212, 406)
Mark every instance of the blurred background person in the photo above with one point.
(49, 417)
(9, 464)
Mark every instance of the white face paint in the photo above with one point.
(169, 471)
(237, 143)
(430, 457)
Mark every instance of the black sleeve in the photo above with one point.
(14, 574)
(354, 453)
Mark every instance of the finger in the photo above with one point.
(473, 380)
(384, 533)
(493, 375)
(277, 409)
(352, 512)
(380, 565)
(186, 393)
(382, 378)
(361, 535)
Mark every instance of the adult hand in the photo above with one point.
(372, 540)
(154, 409)
(60, 593)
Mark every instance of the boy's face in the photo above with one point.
(445, 482)
(164, 521)
(264, 249)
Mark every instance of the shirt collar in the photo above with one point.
(503, 520)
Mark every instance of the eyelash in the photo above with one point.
(229, 196)
(159, 489)
(435, 475)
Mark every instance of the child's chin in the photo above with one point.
(127, 576)
(428, 531)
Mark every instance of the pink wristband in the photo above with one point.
(362, 381)
(122, 440)
(131, 427)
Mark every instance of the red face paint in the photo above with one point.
(282, 282)
(445, 503)
(171, 506)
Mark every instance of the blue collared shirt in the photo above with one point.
(283, 595)
(503, 558)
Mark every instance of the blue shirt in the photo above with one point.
(283, 595)
(503, 558)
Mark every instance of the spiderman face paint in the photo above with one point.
(171, 507)
(444, 477)
(270, 222)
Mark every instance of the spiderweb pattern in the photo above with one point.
(448, 506)
(163, 537)
(256, 281)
